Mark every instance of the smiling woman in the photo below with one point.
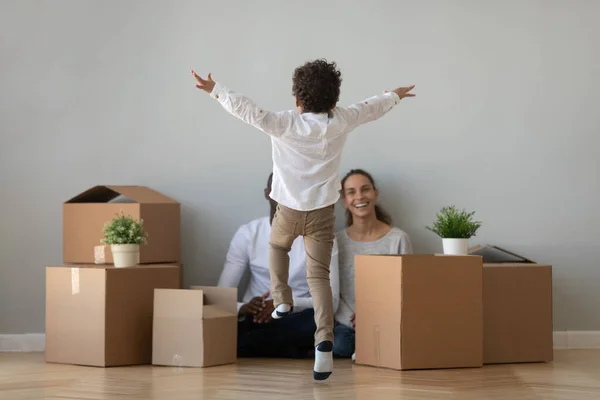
(360, 194)
(368, 230)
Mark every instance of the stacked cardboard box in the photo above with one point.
(102, 316)
(99, 315)
(85, 214)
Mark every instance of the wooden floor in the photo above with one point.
(574, 375)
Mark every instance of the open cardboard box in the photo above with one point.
(517, 307)
(419, 311)
(84, 217)
(196, 327)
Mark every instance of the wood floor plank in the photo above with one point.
(574, 375)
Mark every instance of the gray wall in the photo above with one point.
(505, 123)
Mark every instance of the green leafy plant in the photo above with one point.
(124, 230)
(451, 223)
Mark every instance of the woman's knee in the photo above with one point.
(343, 342)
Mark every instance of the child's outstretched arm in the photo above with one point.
(375, 107)
(272, 123)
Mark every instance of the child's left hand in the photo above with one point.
(206, 85)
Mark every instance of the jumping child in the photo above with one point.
(307, 145)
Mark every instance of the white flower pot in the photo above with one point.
(456, 247)
(125, 255)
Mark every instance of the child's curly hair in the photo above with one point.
(316, 85)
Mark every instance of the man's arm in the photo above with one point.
(236, 262)
(374, 107)
(243, 108)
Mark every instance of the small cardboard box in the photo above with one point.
(101, 315)
(84, 217)
(419, 311)
(195, 327)
(517, 308)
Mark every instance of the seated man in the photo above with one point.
(258, 334)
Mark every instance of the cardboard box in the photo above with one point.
(84, 217)
(419, 311)
(101, 315)
(195, 327)
(517, 308)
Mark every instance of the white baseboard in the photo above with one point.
(560, 339)
(35, 342)
(577, 339)
(29, 342)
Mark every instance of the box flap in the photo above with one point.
(497, 255)
(122, 194)
(214, 311)
(97, 194)
(225, 298)
(178, 303)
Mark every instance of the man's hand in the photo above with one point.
(353, 320)
(253, 307)
(265, 315)
(206, 85)
(403, 92)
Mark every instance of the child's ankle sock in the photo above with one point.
(323, 361)
(281, 311)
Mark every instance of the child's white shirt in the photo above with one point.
(306, 147)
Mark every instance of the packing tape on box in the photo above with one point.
(74, 281)
(377, 347)
(99, 254)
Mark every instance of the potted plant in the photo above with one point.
(124, 235)
(455, 228)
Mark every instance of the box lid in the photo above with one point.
(496, 255)
(120, 194)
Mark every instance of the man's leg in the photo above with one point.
(283, 233)
(247, 343)
(318, 241)
(290, 337)
(297, 332)
(344, 341)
